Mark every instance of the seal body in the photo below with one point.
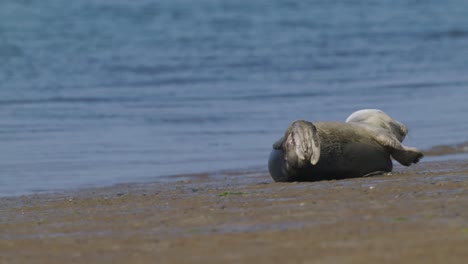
(362, 146)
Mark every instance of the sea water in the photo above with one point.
(97, 92)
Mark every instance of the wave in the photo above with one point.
(441, 150)
(60, 99)
(449, 34)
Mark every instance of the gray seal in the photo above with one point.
(362, 146)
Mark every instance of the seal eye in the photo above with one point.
(402, 132)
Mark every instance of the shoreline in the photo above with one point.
(416, 214)
(438, 153)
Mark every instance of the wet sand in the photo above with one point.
(416, 215)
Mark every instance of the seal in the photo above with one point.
(364, 145)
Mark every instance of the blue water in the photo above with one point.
(96, 92)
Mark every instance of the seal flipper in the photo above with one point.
(301, 144)
(404, 155)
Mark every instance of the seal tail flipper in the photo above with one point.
(301, 144)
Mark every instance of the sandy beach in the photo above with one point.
(415, 215)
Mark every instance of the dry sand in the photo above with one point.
(416, 215)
